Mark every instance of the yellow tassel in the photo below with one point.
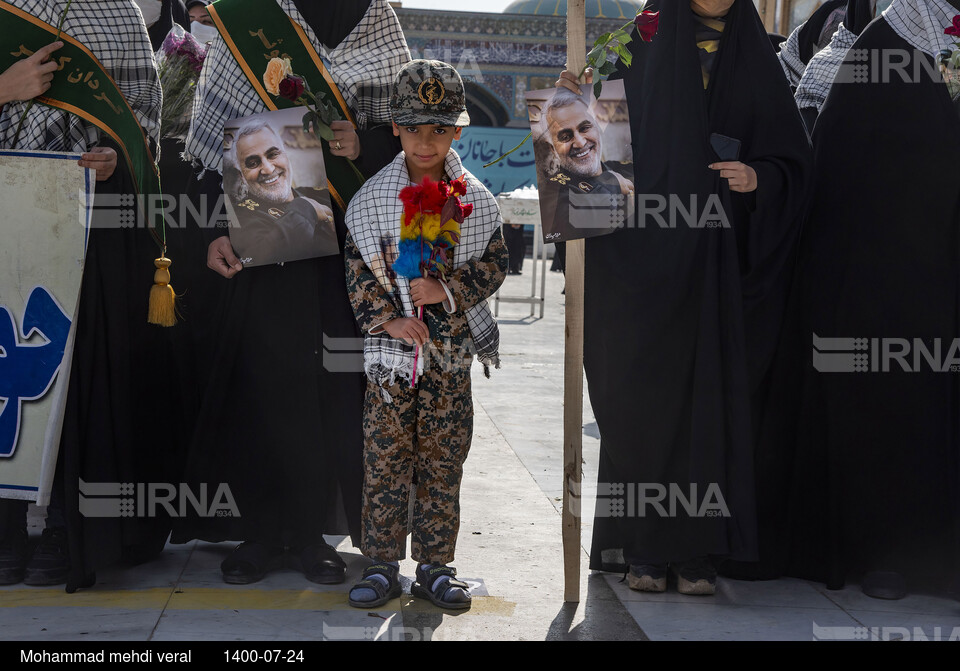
(162, 310)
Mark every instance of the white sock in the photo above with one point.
(367, 594)
(440, 582)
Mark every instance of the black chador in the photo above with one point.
(681, 321)
(871, 459)
(279, 403)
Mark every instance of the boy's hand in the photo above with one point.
(408, 329)
(426, 291)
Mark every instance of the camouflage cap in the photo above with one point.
(428, 92)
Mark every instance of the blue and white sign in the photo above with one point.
(27, 368)
(44, 225)
(479, 145)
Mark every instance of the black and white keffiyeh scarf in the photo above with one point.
(822, 69)
(373, 219)
(363, 66)
(113, 30)
(921, 23)
(790, 60)
(796, 53)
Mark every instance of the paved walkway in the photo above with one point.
(509, 549)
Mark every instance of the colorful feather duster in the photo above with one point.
(429, 229)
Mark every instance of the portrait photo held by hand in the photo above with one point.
(584, 161)
(275, 185)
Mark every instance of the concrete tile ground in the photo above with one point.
(509, 547)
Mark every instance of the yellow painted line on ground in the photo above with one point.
(207, 598)
(56, 598)
(482, 605)
(212, 598)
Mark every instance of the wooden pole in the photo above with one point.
(573, 356)
(786, 7)
(768, 11)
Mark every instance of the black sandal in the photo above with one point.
(426, 581)
(384, 593)
(250, 562)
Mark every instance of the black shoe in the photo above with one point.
(13, 557)
(884, 585)
(250, 562)
(50, 562)
(320, 563)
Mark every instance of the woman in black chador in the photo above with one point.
(682, 314)
(874, 494)
(279, 377)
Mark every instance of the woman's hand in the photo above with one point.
(345, 143)
(740, 176)
(222, 259)
(101, 159)
(569, 81)
(26, 79)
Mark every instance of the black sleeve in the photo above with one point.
(378, 146)
(211, 186)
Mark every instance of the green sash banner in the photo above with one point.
(257, 31)
(82, 87)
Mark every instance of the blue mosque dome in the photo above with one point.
(595, 9)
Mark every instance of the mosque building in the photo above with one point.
(503, 55)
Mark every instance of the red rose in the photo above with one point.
(291, 87)
(647, 23)
(955, 28)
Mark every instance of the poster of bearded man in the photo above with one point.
(276, 188)
(584, 161)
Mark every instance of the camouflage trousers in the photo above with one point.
(425, 430)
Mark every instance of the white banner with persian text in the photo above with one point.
(45, 208)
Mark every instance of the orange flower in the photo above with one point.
(277, 69)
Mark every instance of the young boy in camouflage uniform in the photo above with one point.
(427, 428)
